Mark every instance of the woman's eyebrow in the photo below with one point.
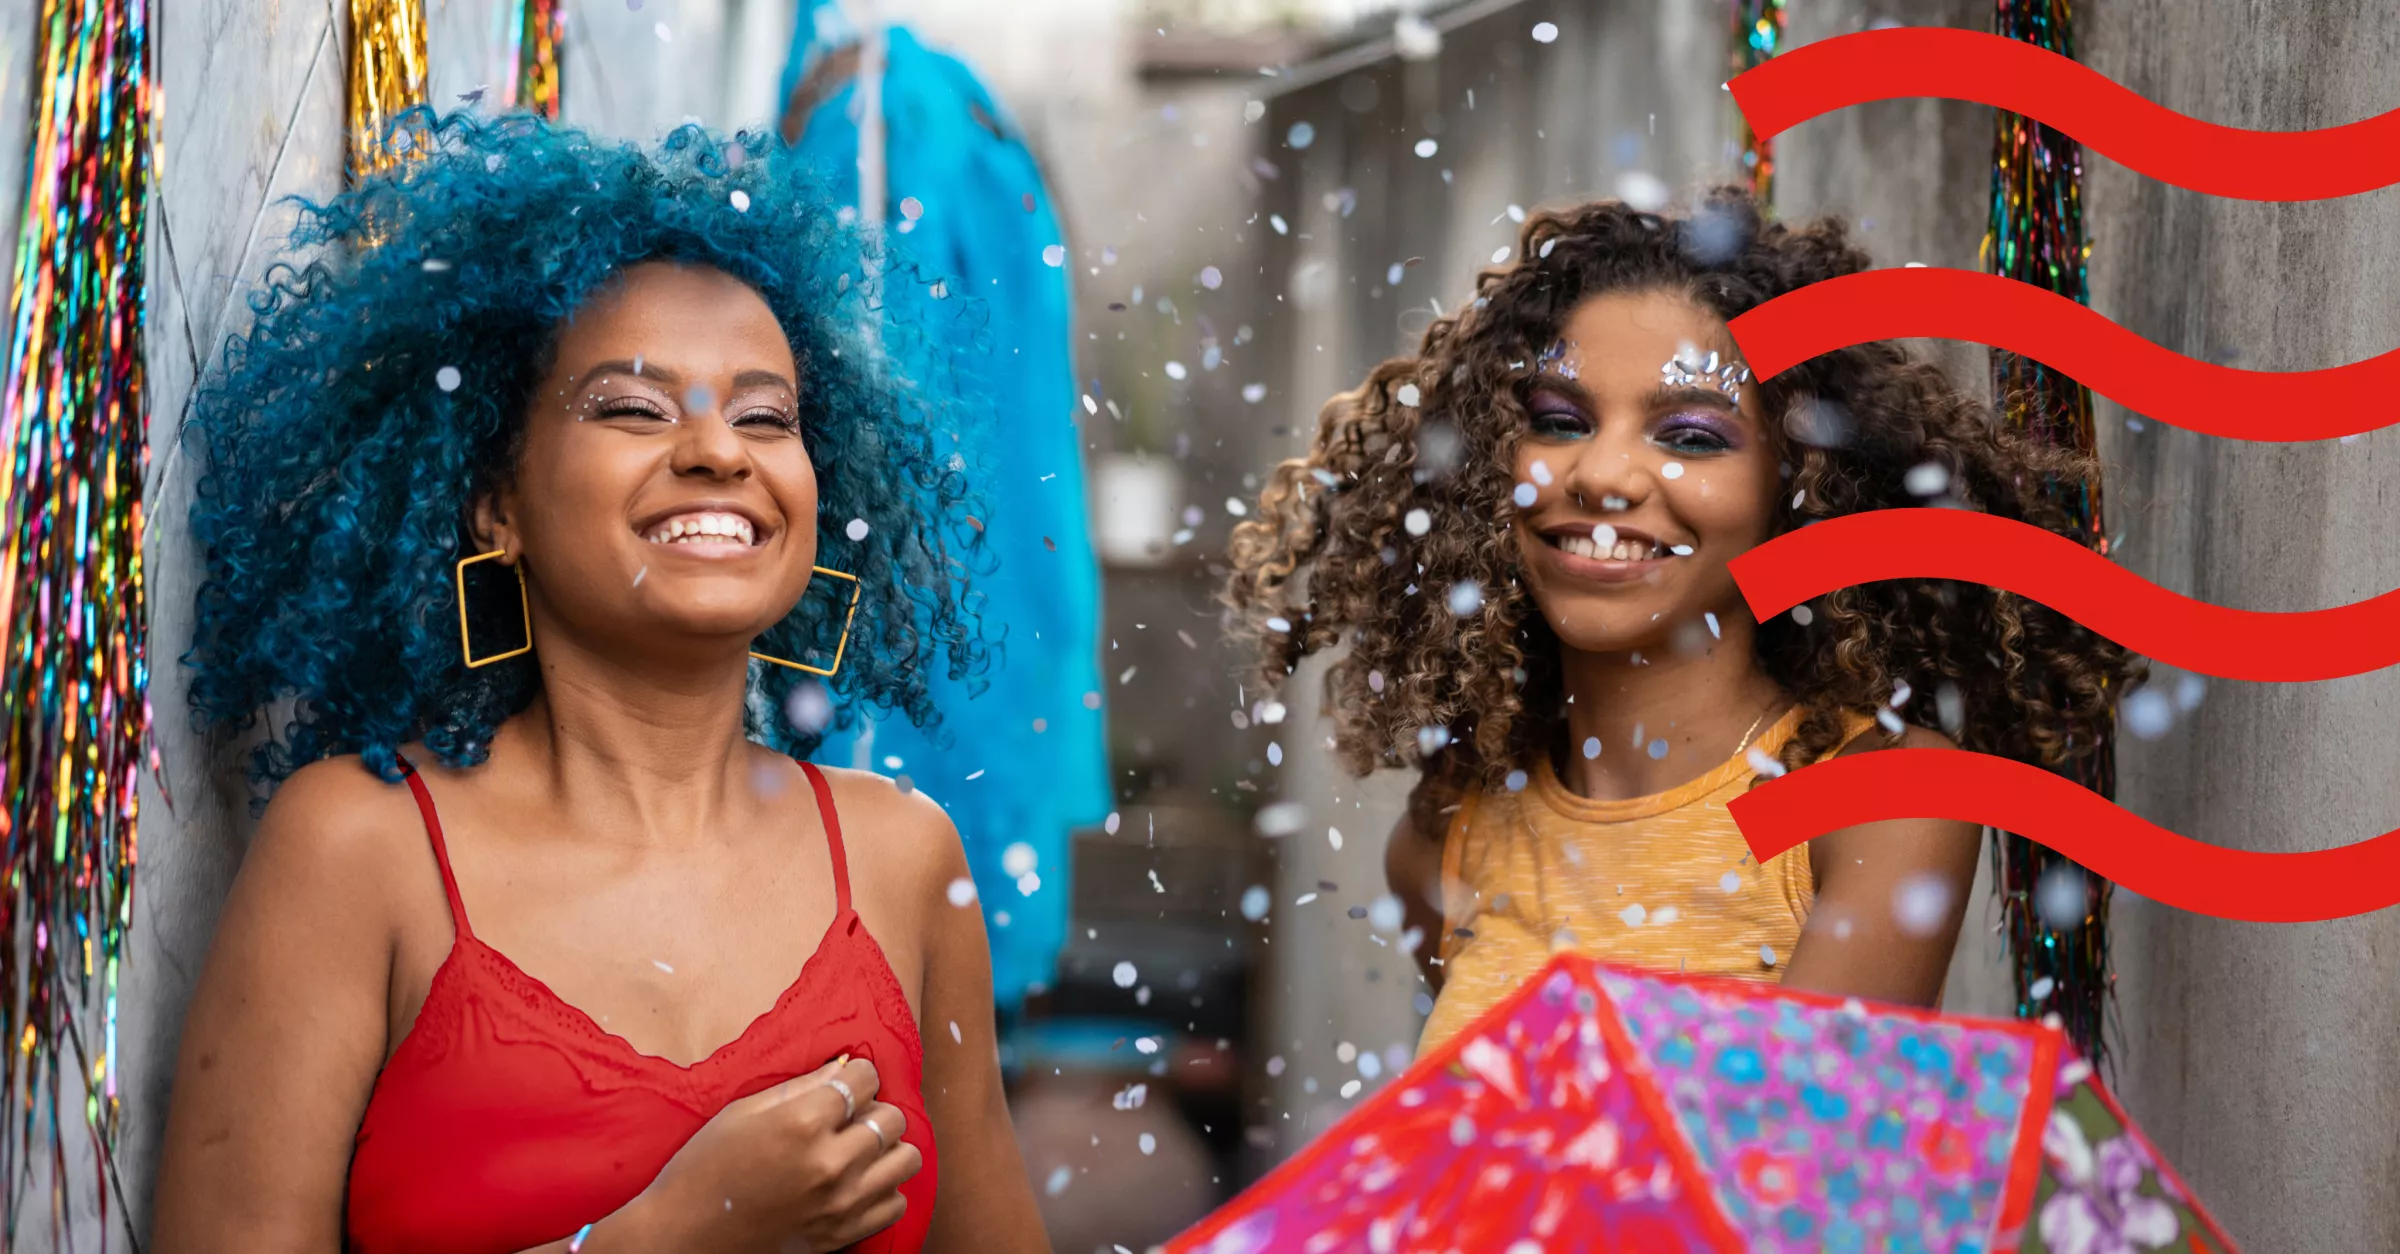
(650, 371)
(1687, 394)
(763, 379)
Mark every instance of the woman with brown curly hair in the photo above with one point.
(1521, 534)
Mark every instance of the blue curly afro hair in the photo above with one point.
(339, 475)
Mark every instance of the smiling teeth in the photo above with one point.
(1616, 551)
(703, 529)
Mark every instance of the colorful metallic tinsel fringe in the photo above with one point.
(533, 81)
(2036, 236)
(387, 75)
(74, 684)
(1757, 35)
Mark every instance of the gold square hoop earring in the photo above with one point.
(840, 648)
(466, 646)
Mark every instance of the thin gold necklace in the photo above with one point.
(1762, 717)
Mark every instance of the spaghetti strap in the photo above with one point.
(441, 851)
(833, 838)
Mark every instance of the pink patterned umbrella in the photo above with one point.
(1601, 1108)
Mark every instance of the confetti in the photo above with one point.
(1545, 32)
(1408, 395)
(740, 200)
(1672, 470)
(1175, 370)
(446, 378)
(1255, 902)
(2147, 714)
(962, 892)
(1927, 479)
(955, 1036)
(1333, 837)
(1427, 147)
(1211, 278)
(1131, 1097)
(1054, 256)
(857, 530)
(1466, 597)
(1301, 135)
(1922, 905)
(1018, 859)
(1418, 522)
(1125, 975)
(1525, 495)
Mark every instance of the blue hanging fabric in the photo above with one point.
(1021, 765)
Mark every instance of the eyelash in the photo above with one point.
(643, 409)
(1715, 442)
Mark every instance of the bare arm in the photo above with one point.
(285, 1032)
(985, 1201)
(1890, 897)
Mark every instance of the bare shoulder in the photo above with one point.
(898, 837)
(337, 819)
(1911, 737)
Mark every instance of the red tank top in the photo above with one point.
(508, 1119)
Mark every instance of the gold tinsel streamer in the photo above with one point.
(1757, 36)
(387, 76)
(533, 73)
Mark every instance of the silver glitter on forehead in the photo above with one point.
(1727, 377)
(1554, 361)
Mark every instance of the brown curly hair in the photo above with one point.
(1329, 559)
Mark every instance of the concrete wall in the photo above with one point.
(2260, 1055)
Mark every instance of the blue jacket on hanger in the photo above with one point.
(1026, 761)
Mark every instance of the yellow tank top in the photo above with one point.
(1660, 881)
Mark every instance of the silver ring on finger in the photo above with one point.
(849, 1099)
(882, 1142)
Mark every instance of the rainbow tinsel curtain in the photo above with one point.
(74, 687)
(387, 76)
(2036, 236)
(533, 78)
(1757, 35)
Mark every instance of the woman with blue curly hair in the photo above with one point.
(528, 505)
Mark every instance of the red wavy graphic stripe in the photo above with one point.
(2065, 816)
(2151, 139)
(2281, 407)
(2056, 571)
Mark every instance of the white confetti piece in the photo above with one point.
(1545, 32)
(857, 530)
(1019, 859)
(1125, 975)
(1255, 901)
(446, 378)
(955, 1035)
(740, 200)
(1427, 147)
(1054, 256)
(1672, 470)
(1407, 394)
(1254, 392)
(1418, 522)
(962, 892)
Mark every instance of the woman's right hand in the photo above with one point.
(782, 1171)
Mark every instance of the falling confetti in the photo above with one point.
(1544, 32)
(1125, 975)
(740, 200)
(446, 378)
(857, 530)
(962, 892)
(1427, 147)
(1055, 255)
(1019, 859)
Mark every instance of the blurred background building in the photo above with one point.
(1261, 199)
